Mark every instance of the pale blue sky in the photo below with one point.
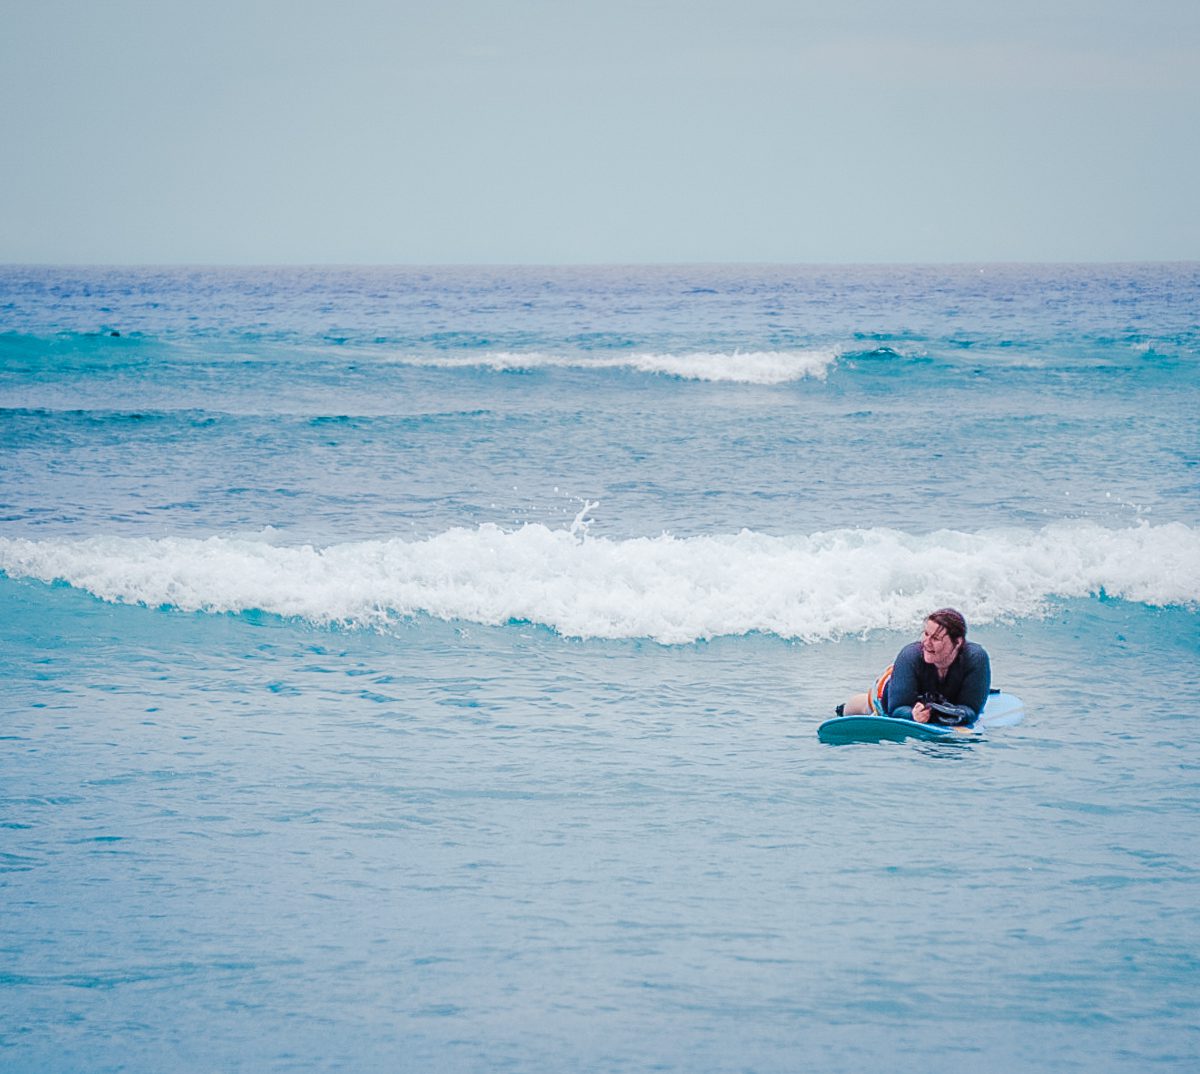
(545, 131)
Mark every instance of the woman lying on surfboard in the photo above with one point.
(943, 678)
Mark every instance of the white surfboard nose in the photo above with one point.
(1002, 710)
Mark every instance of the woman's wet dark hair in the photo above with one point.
(951, 621)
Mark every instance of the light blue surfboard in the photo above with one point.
(1000, 710)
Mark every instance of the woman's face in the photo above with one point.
(936, 646)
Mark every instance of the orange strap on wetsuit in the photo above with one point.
(875, 694)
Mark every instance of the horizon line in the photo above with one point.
(981, 263)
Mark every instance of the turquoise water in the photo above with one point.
(420, 670)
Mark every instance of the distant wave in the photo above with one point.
(856, 354)
(741, 367)
(98, 350)
(671, 589)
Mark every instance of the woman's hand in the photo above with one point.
(920, 713)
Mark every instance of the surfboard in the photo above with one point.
(1000, 710)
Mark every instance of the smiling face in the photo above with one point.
(937, 646)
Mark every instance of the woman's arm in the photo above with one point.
(903, 687)
(977, 680)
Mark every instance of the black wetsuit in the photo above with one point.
(966, 683)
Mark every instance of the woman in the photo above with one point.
(942, 678)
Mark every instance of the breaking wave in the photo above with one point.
(670, 589)
(738, 367)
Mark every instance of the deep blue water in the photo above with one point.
(419, 669)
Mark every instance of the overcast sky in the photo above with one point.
(547, 131)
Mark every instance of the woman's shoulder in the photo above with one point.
(974, 652)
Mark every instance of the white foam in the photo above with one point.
(671, 589)
(740, 367)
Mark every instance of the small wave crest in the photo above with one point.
(738, 367)
(671, 589)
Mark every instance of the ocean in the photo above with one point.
(419, 669)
